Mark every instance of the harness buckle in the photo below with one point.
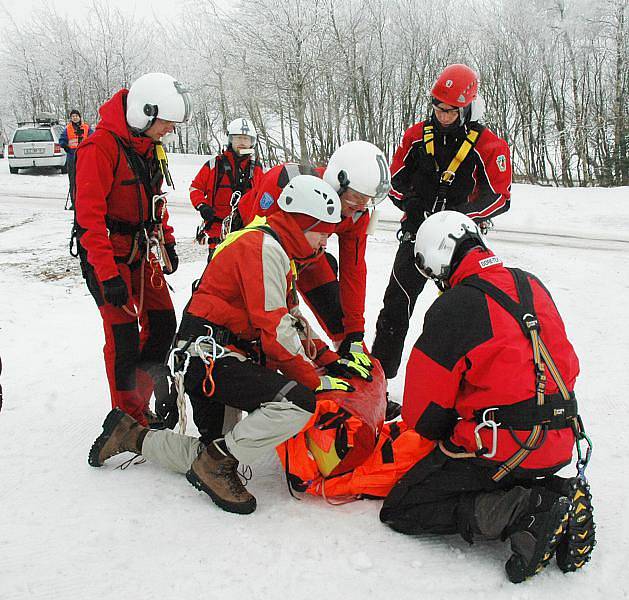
(447, 177)
(491, 423)
(531, 322)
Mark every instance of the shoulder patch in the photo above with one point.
(501, 161)
(266, 201)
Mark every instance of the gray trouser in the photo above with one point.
(260, 432)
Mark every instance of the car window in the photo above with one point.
(32, 135)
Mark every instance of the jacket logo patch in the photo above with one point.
(487, 262)
(266, 201)
(501, 161)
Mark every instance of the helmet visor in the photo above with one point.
(187, 101)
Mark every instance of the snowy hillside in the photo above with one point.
(71, 531)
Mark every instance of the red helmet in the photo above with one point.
(456, 86)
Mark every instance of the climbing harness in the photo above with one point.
(447, 177)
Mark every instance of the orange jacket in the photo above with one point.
(248, 287)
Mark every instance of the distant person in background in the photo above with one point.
(447, 162)
(75, 132)
(224, 178)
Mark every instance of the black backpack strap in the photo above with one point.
(521, 311)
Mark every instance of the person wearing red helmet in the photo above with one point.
(448, 161)
(247, 346)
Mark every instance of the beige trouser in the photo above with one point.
(259, 432)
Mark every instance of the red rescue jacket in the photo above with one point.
(472, 355)
(234, 174)
(110, 192)
(352, 235)
(481, 187)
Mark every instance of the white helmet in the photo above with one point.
(438, 238)
(360, 166)
(242, 126)
(157, 95)
(309, 195)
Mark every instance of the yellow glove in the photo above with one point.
(328, 384)
(346, 368)
(356, 353)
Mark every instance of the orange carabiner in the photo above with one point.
(157, 281)
(208, 380)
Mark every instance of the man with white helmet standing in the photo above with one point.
(335, 291)
(449, 161)
(491, 378)
(241, 326)
(123, 232)
(223, 179)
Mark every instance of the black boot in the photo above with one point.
(536, 534)
(392, 411)
(576, 546)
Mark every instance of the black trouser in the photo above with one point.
(438, 495)
(405, 285)
(71, 167)
(244, 385)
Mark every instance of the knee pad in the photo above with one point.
(301, 396)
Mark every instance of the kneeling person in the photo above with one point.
(241, 326)
(491, 378)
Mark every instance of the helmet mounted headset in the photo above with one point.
(442, 241)
(157, 95)
(241, 126)
(362, 167)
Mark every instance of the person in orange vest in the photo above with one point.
(74, 133)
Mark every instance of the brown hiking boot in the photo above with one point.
(121, 433)
(214, 473)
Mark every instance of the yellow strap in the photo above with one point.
(232, 237)
(459, 157)
(429, 139)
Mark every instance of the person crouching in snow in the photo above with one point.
(335, 290)
(491, 378)
(241, 326)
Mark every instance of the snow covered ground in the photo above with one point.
(70, 531)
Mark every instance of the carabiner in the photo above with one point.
(494, 431)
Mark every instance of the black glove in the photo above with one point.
(207, 212)
(357, 336)
(115, 291)
(172, 256)
(165, 397)
(346, 368)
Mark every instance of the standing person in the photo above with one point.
(449, 161)
(123, 227)
(491, 378)
(240, 327)
(224, 178)
(75, 132)
(335, 290)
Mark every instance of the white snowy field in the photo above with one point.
(71, 531)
